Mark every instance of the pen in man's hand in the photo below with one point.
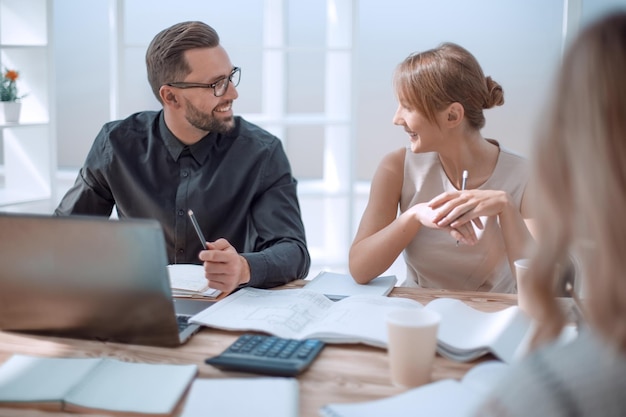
(197, 227)
(463, 183)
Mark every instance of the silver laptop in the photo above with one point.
(89, 278)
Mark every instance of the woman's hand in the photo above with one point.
(429, 217)
(456, 209)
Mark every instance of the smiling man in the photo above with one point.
(195, 154)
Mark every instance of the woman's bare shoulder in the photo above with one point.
(393, 162)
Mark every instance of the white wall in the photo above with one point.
(518, 43)
(81, 46)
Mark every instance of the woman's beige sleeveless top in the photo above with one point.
(433, 259)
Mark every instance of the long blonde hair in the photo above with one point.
(580, 177)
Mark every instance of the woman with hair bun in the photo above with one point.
(452, 200)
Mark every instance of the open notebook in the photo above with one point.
(89, 277)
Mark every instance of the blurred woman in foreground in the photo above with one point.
(580, 176)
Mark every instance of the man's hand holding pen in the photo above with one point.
(223, 266)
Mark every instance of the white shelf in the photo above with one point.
(24, 22)
(4, 124)
(9, 197)
(29, 147)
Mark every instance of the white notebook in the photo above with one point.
(445, 398)
(243, 397)
(88, 384)
(337, 286)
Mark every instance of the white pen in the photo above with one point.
(463, 183)
(197, 227)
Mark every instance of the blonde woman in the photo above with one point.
(580, 172)
(456, 231)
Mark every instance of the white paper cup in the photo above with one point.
(412, 345)
(524, 300)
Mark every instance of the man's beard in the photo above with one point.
(207, 122)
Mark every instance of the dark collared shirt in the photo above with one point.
(239, 186)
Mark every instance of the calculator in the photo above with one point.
(269, 355)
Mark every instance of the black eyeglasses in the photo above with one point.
(219, 87)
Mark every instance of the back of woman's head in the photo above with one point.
(430, 81)
(580, 159)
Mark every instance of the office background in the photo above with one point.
(316, 73)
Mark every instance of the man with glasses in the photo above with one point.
(194, 154)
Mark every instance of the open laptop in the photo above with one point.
(89, 278)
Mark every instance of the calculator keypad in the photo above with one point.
(269, 355)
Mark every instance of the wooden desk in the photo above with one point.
(342, 373)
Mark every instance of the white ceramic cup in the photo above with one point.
(412, 345)
(524, 301)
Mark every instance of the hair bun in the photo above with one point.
(495, 94)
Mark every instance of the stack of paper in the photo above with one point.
(464, 332)
(303, 314)
(188, 280)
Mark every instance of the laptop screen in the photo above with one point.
(86, 277)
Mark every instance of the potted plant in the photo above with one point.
(9, 97)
